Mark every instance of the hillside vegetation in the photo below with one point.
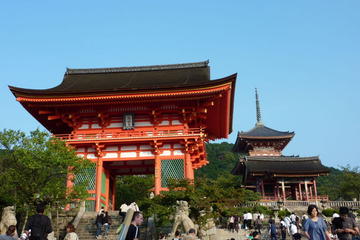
(340, 184)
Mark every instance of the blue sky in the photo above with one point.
(303, 56)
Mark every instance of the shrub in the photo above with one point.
(328, 212)
(284, 213)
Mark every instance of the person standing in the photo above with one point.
(70, 233)
(123, 209)
(293, 229)
(283, 229)
(258, 224)
(39, 224)
(272, 230)
(231, 224)
(10, 233)
(315, 227)
(344, 226)
(249, 220)
(133, 231)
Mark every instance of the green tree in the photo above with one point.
(206, 198)
(133, 189)
(325, 184)
(35, 168)
(350, 183)
(221, 160)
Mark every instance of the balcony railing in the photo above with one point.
(292, 203)
(130, 134)
(272, 198)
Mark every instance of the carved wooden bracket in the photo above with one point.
(99, 149)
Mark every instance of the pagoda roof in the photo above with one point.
(261, 131)
(125, 79)
(279, 166)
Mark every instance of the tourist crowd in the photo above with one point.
(310, 226)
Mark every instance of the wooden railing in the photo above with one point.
(129, 134)
(326, 204)
(273, 198)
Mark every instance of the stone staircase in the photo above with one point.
(86, 229)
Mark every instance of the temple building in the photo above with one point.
(135, 121)
(265, 170)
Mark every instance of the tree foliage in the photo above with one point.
(221, 160)
(133, 189)
(206, 198)
(350, 183)
(325, 184)
(34, 167)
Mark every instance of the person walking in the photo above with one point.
(70, 233)
(315, 227)
(344, 226)
(99, 223)
(39, 225)
(133, 231)
(107, 223)
(10, 233)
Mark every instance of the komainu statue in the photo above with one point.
(7, 219)
(182, 217)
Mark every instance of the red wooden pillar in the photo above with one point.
(157, 173)
(107, 194)
(262, 188)
(300, 192)
(189, 171)
(315, 190)
(69, 185)
(311, 192)
(99, 171)
(283, 190)
(113, 192)
(306, 192)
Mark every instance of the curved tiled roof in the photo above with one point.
(262, 131)
(127, 79)
(280, 165)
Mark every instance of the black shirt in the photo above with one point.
(133, 232)
(40, 227)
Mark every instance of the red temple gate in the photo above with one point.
(135, 121)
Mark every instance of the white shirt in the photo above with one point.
(124, 207)
(287, 221)
(293, 217)
(293, 229)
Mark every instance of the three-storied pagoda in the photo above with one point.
(135, 121)
(267, 171)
